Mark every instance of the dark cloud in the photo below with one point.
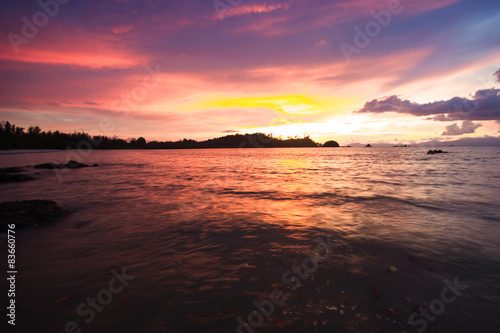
(497, 74)
(484, 105)
(467, 127)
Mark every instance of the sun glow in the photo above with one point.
(292, 105)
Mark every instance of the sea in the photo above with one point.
(260, 240)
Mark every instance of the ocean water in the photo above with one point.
(202, 239)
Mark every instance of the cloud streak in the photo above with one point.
(246, 9)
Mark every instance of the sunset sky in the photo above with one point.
(349, 70)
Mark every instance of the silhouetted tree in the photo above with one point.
(141, 143)
(34, 130)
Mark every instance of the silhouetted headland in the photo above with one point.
(12, 137)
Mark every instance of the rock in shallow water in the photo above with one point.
(70, 164)
(7, 177)
(436, 152)
(75, 164)
(49, 166)
(12, 170)
(29, 213)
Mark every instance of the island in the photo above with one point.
(15, 137)
(331, 143)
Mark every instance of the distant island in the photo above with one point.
(331, 144)
(13, 137)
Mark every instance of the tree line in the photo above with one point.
(15, 137)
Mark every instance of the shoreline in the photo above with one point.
(41, 151)
(29, 151)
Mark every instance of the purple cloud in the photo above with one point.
(484, 105)
(467, 127)
(497, 74)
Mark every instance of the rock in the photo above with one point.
(70, 165)
(49, 166)
(75, 165)
(436, 152)
(12, 170)
(368, 146)
(94, 165)
(6, 177)
(29, 213)
(331, 144)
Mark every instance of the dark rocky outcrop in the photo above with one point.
(49, 166)
(331, 144)
(12, 170)
(29, 213)
(69, 165)
(8, 178)
(436, 152)
(368, 146)
(8, 175)
(76, 165)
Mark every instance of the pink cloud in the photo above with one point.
(468, 127)
(246, 9)
(303, 16)
(73, 47)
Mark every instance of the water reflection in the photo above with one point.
(206, 233)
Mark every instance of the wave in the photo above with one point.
(330, 198)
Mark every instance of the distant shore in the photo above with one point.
(40, 151)
(28, 151)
